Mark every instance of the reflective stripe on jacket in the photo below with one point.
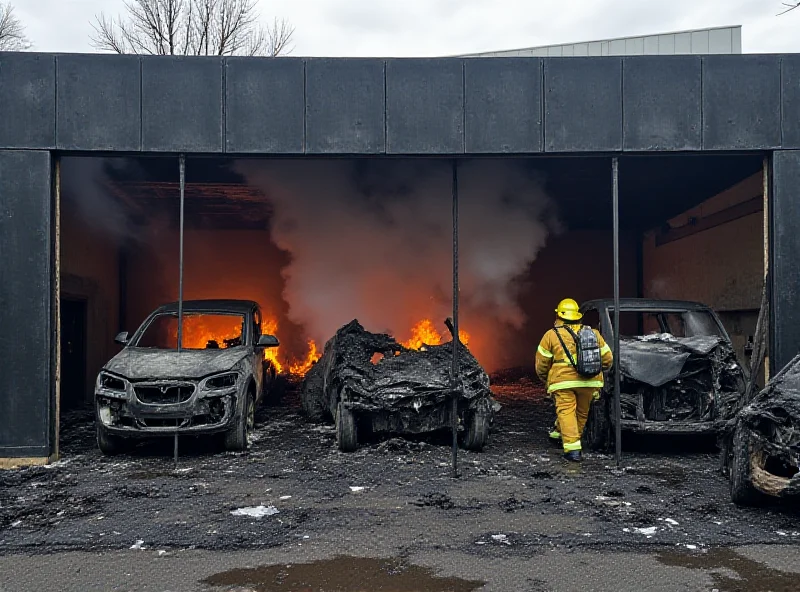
(553, 367)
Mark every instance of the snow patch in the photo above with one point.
(256, 511)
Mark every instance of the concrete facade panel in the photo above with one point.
(503, 105)
(790, 97)
(425, 106)
(264, 110)
(26, 304)
(182, 104)
(583, 105)
(741, 102)
(99, 103)
(662, 103)
(345, 106)
(27, 100)
(785, 253)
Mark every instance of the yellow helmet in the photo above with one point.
(568, 310)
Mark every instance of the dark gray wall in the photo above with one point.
(26, 275)
(785, 257)
(399, 106)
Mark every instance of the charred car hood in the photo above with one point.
(658, 359)
(143, 364)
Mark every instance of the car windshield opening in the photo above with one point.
(686, 323)
(201, 330)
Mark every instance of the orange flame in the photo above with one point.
(301, 367)
(270, 327)
(200, 330)
(424, 333)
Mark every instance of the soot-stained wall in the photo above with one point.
(27, 315)
(90, 272)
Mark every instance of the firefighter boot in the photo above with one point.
(573, 455)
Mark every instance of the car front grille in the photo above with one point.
(167, 394)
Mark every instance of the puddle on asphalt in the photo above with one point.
(340, 574)
(733, 572)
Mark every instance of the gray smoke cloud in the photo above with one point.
(373, 240)
(84, 187)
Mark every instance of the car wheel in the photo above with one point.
(239, 437)
(108, 444)
(742, 491)
(346, 436)
(476, 433)
(596, 432)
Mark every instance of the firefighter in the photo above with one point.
(572, 393)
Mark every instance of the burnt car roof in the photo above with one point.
(237, 306)
(645, 303)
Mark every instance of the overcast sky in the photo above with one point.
(446, 27)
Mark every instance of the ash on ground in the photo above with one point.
(514, 497)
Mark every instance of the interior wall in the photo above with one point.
(722, 266)
(577, 264)
(90, 272)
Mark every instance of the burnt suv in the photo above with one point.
(211, 386)
(678, 370)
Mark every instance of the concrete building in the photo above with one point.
(708, 148)
(713, 41)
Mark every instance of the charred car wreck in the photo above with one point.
(210, 386)
(761, 445)
(678, 370)
(367, 382)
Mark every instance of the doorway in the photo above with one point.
(73, 353)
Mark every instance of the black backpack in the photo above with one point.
(587, 350)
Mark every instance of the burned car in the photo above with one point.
(678, 370)
(761, 444)
(367, 382)
(210, 386)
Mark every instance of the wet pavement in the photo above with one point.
(341, 573)
(391, 510)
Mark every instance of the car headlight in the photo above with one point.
(110, 386)
(221, 382)
(110, 383)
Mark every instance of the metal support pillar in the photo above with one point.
(182, 174)
(454, 372)
(617, 395)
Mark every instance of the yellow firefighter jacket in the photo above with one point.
(553, 367)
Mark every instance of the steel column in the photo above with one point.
(617, 400)
(454, 372)
(182, 174)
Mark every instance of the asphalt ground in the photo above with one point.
(389, 516)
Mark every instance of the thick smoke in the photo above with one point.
(84, 187)
(373, 240)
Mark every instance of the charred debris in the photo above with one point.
(389, 388)
(671, 379)
(760, 445)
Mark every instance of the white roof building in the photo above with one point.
(718, 40)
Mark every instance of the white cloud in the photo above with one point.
(446, 27)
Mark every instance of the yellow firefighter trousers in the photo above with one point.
(572, 408)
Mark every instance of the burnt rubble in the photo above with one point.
(770, 424)
(407, 390)
(666, 378)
